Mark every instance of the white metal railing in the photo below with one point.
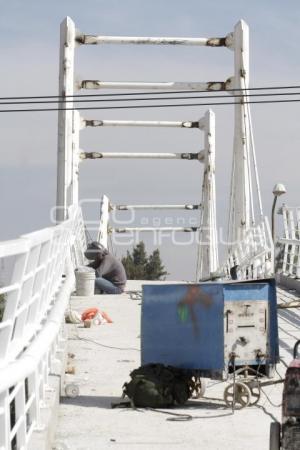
(37, 277)
(291, 242)
(252, 257)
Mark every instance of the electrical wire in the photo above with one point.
(78, 338)
(63, 100)
(268, 413)
(269, 400)
(179, 105)
(149, 93)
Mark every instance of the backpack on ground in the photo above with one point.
(158, 386)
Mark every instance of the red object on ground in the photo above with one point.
(89, 314)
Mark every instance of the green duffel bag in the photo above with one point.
(158, 386)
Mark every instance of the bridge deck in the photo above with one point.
(104, 356)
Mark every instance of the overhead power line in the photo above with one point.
(149, 98)
(260, 88)
(179, 105)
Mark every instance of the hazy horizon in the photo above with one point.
(28, 141)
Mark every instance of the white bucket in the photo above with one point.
(85, 281)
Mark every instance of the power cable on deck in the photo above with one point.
(76, 338)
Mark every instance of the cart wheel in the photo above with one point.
(255, 395)
(237, 395)
(71, 390)
(201, 388)
(275, 436)
(270, 370)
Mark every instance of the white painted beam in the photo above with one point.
(124, 155)
(163, 85)
(139, 123)
(155, 229)
(128, 207)
(88, 39)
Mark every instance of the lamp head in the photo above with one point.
(279, 189)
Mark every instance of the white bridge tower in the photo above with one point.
(241, 216)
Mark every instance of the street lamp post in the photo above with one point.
(278, 190)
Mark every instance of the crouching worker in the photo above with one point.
(110, 273)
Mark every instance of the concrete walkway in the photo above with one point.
(104, 357)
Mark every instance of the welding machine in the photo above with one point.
(211, 327)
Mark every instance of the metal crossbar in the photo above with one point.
(126, 155)
(165, 85)
(153, 229)
(128, 207)
(88, 39)
(139, 123)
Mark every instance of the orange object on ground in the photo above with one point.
(106, 317)
(89, 314)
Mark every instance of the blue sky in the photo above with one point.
(29, 66)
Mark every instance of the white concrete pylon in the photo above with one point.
(241, 193)
(208, 260)
(103, 223)
(65, 119)
(72, 193)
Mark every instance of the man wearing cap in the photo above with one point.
(110, 272)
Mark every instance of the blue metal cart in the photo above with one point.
(221, 330)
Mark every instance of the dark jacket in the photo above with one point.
(111, 269)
